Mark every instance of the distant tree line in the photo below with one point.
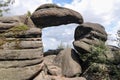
(118, 38)
(4, 6)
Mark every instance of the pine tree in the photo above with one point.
(118, 38)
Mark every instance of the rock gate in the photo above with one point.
(21, 49)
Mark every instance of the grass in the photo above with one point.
(21, 27)
(14, 30)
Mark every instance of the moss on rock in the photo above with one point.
(21, 27)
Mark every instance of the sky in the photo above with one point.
(104, 12)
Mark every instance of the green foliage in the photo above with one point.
(21, 27)
(100, 67)
(98, 53)
(14, 31)
(4, 6)
(17, 30)
(114, 72)
(97, 71)
(118, 38)
(29, 14)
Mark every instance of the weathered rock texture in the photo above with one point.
(88, 35)
(98, 60)
(52, 15)
(56, 69)
(21, 50)
(68, 60)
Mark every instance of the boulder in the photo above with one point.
(87, 35)
(52, 15)
(69, 62)
(50, 67)
(115, 54)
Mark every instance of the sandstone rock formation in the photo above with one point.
(88, 34)
(52, 15)
(21, 51)
(68, 60)
(55, 67)
(98, 60)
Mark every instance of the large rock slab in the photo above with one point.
(69, 62)
(52, 15)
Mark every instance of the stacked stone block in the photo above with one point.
(21, 50)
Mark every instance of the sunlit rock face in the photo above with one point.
(87, 35)
(52, 15)
(21, 50)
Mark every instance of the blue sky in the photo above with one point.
(105, 12)
(62, 2)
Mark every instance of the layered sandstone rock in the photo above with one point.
(88, 35)
(21, 50)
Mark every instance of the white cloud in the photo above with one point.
(53, 36)
(21, 7)
(105, 12)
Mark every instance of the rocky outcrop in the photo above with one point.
(21, 50)
(52, 15)
(64, 65)
(68, 60)
(98, 60)
(88, 34)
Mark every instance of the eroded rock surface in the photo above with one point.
(21, 50)
(52, 15)
(64, 65)
(88, 35)
(69, 62)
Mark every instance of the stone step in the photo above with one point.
(21, 54)
(30, 33)
(24, 73)
(22, 45)
(19, 63)
(24, 39)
